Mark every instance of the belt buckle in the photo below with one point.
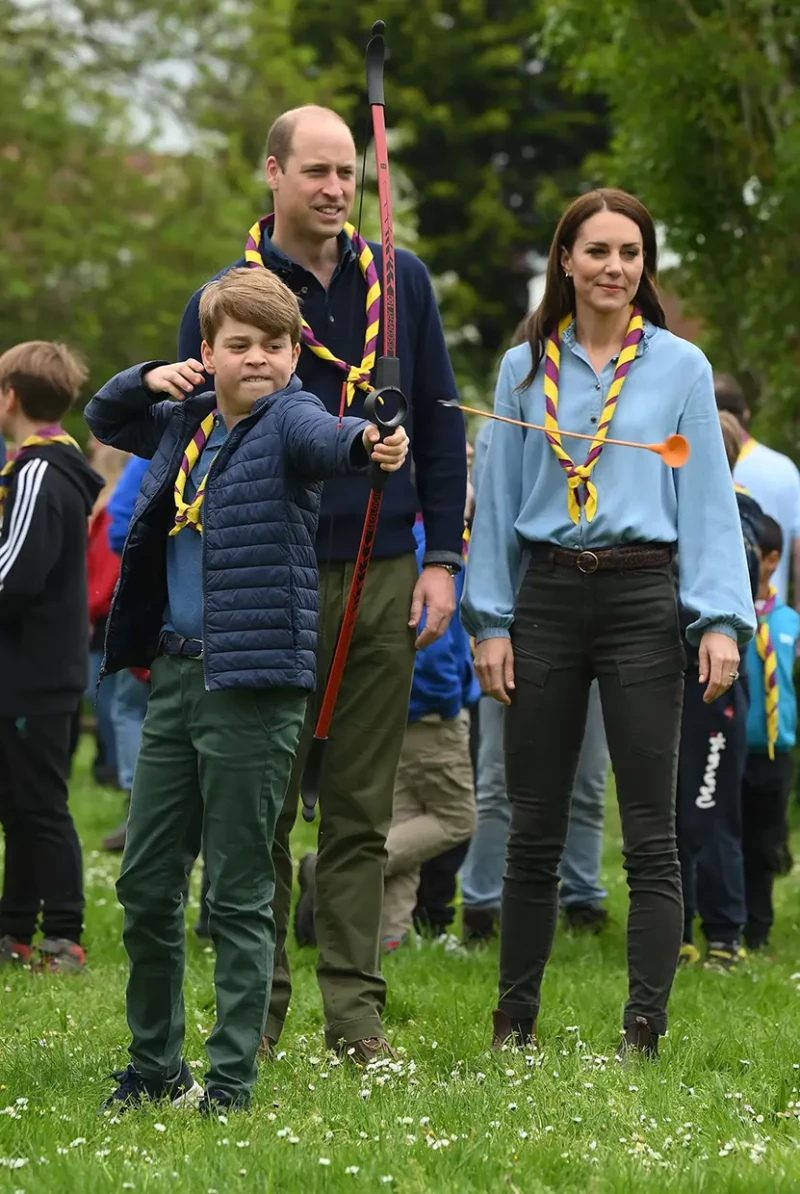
(587, 562)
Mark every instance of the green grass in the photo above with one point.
(718, 1113)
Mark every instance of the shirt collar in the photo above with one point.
(271, 252)
(568, 339)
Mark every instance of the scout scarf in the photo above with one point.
(355, 376)
(48, 435)
(748, 443)
(579, 475)
(188, 513)
(766, 653)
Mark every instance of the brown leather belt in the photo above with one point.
(605, 559)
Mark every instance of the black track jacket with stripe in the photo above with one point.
(44, 610)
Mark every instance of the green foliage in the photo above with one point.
(486, 129)
(706, 114)
(131, 152)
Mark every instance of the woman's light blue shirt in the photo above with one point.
(523, 489)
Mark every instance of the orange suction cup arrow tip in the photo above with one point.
(674, 451)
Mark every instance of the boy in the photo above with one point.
(218, 597)
(47, 492)
(711, 762)
(771, 729)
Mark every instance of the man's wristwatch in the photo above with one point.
(451, 568)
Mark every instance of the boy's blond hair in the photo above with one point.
(731, 436)
(46, 378)
(252, 296)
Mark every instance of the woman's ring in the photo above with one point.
(734, 676)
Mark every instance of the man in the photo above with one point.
(772, 479)
(311, 171)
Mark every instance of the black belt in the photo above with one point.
(175, 644)
(604, 559)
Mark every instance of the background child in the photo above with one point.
(434, 796)
(771, 731)
(47, 492)
(713, 748)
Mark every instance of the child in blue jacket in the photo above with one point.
(771, 730)
(218, 596)
(434, 795)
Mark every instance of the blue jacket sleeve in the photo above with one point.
(714, 582)
(495, 549)
(439, 436)
(315, 444)
(128, 416)
(122, 502)
(190, 340)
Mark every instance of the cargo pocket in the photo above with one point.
(669, 661)
(531, 668)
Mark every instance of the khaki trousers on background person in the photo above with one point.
(434, 809)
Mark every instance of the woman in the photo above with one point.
(591, 545)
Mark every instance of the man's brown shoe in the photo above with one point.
(114, 842)
(639, 1039)
(371, 1048)
(266, 1050)
(517, 1034)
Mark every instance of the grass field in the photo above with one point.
(720, 1112)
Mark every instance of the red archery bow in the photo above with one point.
(387, 385)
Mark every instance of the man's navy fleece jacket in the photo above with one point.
(338, 318)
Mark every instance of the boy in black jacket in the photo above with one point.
(47, 492)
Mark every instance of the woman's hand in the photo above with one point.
(494, 665)
(719, 664)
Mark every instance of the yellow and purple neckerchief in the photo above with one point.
(748, 443)
(766, 653)
(579, 475)
(188, 513)
(47, 435)
(356, 376)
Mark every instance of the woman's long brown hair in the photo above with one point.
(559, 290)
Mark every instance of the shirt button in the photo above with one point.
(593, 419)
(330, 317)
(597, 387)
(304, 290)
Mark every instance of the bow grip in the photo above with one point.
(389, 395)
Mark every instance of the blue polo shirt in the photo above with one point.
(184, 609)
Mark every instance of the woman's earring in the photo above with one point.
(567, 274)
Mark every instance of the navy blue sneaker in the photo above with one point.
(133, 1089)
(216, 1101)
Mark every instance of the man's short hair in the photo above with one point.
(281, 135)
(730, 395)
(731, 436)
(770, 535)
(46, 378)
(253, 296)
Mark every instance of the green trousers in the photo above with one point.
(213, 768)
(356, 787)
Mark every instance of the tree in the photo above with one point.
(104, 235)
(706, 114)
(485, 134)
